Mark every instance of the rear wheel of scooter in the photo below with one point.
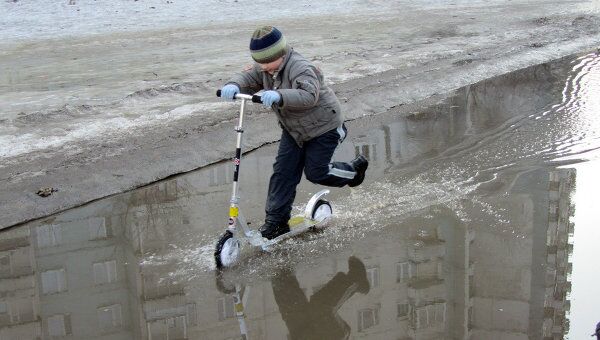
(322, 211)
(227, 250)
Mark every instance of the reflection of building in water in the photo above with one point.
(437, 277)
(157, 219)
(19, 296)
(405, 139)
(67, 276)
(201, 199)
(153, 216)
(465, 117)
(83, 279)
(416, 280)
(151, 213)
(166, 312)
(416, 283)
(520, 270)
(434, 277)
(557, 265)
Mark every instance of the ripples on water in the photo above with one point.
(565, 132)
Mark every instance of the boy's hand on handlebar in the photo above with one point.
(270, 97)
(229, 91)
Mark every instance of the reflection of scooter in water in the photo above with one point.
(317, 317)
(239, 294)
(314, 318)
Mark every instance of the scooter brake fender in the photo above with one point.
(313, 200)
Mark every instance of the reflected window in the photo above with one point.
(5, 267)
(4, 315)
(430, 315)
(16, 311)
(177, 327)
(157, 286)
(59, 325)
(24, 310)
(109, 317)
(225, 307)
(550, 276)
(169, 328)
(368, 318)
(221, 175)
(105, 272)
(437, 313)
(98, 229)
(192, 318)
(470, 317)
(54, 281)
(402, 310)
(403, 271)
(16, 262)
(367, 150)
(48, 235)
(5, 261)
(373, 276)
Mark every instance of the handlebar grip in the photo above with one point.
(255, 98)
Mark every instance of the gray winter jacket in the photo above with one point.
(309, 108)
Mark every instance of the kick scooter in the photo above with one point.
(227, 251)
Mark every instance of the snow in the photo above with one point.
(40, 19)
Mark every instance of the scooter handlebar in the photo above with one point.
(255, 98)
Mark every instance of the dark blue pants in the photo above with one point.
(314, 158)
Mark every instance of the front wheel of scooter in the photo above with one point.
(322, 211)
(227, 250)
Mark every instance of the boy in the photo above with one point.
(310, 116)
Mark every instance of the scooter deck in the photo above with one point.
(298, 225)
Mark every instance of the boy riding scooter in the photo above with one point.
(310, 116)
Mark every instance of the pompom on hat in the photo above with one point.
(267, 44)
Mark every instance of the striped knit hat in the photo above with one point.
(267, 45)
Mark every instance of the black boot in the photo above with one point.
(271, 230)
(358, 273)
(360, 165)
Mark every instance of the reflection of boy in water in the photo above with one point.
(317, 318)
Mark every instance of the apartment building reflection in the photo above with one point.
(416, 282)
(167, 215)
(558, 253)
(434, 276)
(437, 277)
(89, 272)
(66, 277)
(519, 284)
(19, 296)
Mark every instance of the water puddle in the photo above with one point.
(464, 228)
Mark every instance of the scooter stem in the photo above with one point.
(236, 218)
(238, 153)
